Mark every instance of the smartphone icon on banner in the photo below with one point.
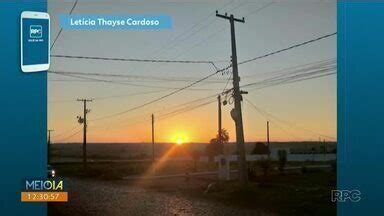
(35, 40)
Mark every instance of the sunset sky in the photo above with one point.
(298, 111)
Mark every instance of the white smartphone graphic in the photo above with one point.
(35, 40)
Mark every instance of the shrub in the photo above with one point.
(334, 166)
(265, 165)
(261, 149)
(252, 170)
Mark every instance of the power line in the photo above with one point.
(288, 48)
(190, 102)
(192, 105)
(162, 97)
(173, 109)
(208, 24)
(109, 97)
(288, 123)
(226, 84)
(176, 40)
(61, 29)
(188, 106)
(133, 81)
(222, 29)
(184, 110)
(291, 79)
(70, 74)
(259, 9)
(314, 77)
(218, 71)
(125, 95)
(133, 59)
(66, 131)
(297, 68)
(207, 77)
(70, 136)
(181, 108)
(267, 118)
(298, 74)
(242, 62)
(173, 113)
(161, 78)
(198, 30)
(193, 33)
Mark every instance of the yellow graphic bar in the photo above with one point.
(44, 196)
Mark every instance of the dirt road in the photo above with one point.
(94, 197)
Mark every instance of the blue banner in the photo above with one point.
(23, 114)
(360, 106)
(114, 22)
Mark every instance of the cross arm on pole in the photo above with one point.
(231, 17)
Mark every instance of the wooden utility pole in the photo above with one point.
(83, 120)
(219, 124)
(268, 133)
(49, 146)
(269, 146)
(153, 138)
(236, 112)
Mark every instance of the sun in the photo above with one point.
(180, 138)
(179, 141)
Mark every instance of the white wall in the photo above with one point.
(290, 157)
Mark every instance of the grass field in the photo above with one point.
(289, 194)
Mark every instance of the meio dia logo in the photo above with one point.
(44, 185)
(44, 190)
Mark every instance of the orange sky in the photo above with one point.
(305, 122)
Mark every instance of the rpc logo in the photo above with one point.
(345, 195)
(35, 31)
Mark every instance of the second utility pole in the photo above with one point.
(153, 138)
(269, 147)
(83, 120)
(219, 124)
(49, 146)
(237, 99)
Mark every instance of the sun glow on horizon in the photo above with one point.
(179, 141)
(180, 138)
